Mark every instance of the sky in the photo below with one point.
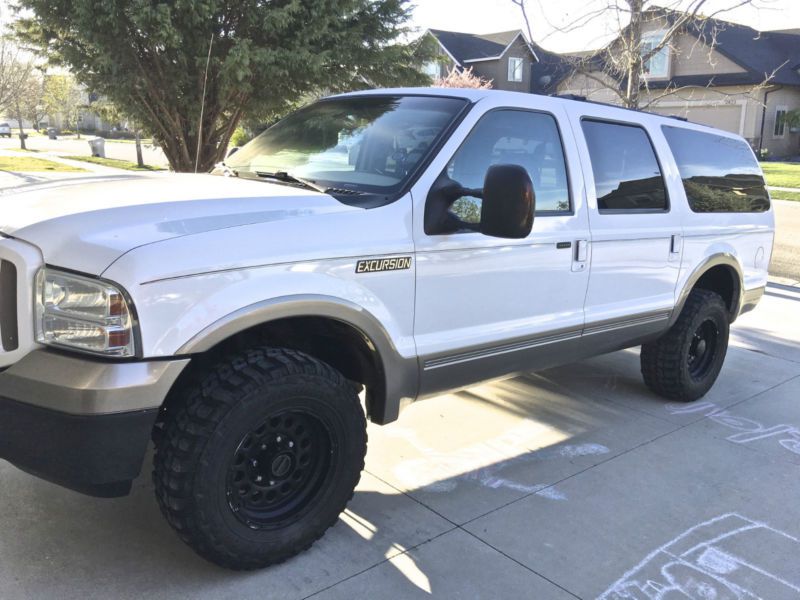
(547, 16)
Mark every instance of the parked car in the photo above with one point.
(398, 242)
(5, 130)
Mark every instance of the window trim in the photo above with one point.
(658, 35)
(536, 213)
(624, 211)
(521, 69)
(778, 109)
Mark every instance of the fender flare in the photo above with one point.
(400, 374)
(725, 259)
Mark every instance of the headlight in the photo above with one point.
(83, 313)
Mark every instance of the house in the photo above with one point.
(504, 58)
(713, 72)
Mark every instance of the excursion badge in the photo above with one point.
(375, 265)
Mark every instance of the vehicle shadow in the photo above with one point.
(59, 543)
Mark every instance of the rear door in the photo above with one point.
(635, 232)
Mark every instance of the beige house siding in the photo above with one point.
(738, 109)
(497, 70)
(589, 86)
(691, 57)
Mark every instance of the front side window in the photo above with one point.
(357, 144)
(502, 137)
(720, 174)
(658, 64)
(627, 175)
(515, 69)
(780, 122)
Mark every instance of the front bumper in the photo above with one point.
(81, 423)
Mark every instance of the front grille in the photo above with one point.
(9, 333)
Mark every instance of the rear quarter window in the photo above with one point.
(720, 174)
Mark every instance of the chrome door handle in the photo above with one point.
(581, 255)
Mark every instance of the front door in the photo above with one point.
(486, 307)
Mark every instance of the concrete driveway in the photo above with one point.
(571, 483)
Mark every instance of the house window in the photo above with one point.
(780, 122)
(431, 69)
(515, 69)
(658, 64)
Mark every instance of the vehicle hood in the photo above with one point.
(88, 224)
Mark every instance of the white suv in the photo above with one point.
(402, 242)
(5, 130)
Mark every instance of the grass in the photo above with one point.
(30, 163)
(779, 195)
(780, 174)
(113, 162)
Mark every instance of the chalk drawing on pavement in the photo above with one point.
(729, 557)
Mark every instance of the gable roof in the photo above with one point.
(470, 47)
(758, 53)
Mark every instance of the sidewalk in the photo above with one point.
(13, 179)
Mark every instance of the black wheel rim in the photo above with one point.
(702, 349)
(278, 469)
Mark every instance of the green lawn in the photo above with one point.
(113, 162)
(30, 163)
(779, 195)
(782, 174)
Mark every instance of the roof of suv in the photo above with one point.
(474, 95)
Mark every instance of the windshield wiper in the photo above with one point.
(287, 178)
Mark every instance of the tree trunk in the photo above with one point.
(21, 132)
(139, 159)
(634, 54)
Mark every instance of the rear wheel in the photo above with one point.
(260, 457)
(684, 363)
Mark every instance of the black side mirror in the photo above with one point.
(508, 202)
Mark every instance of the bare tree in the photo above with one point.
(16, 69)
(644, 30)
(465, 78)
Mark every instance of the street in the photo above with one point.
(786, 254)
(70, 146)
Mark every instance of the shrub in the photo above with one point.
(240, 137)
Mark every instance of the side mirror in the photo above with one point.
(508, 202)
(232, 151)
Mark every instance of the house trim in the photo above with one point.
(779, 108)
(443, 47)
(499, 56)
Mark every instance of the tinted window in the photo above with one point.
(359, 143)
(528, 139)
(719, 174)
(626, 171)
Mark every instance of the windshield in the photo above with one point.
(368, 144)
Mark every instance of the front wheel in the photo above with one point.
(684, 363)
(260, 457)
